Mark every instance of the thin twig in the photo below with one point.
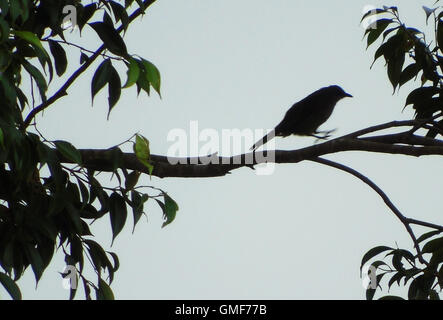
(404, 138)
(84, 49)
(404, 220)
(425, 224)
(383, 126)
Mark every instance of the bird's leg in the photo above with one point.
(324, 135)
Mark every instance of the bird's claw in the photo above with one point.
(324, 134)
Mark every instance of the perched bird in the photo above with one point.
(305, 116)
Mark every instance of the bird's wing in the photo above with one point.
(300, 111)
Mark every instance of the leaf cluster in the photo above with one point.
(402, 45)
(46, 205)
(425, 282)
(409, 56)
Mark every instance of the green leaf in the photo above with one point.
(428, 12)
(38, 77)
(68, 151)
(385, 34)
(4, 7)
(59, 55)
(97, 254)
(101, 77)
(408, 274)
(8, 90)
(107, 19)
(396, 277)
(142, 81)
(372, 253)
(133, 73)
(375, 30)
(137, 206)
(35, 259)
(114, 88)
(428, 235)
(10, 286)
(84, 192)
(408, 73)
(170, 210)
(74, 217)
(371, 13)
(141, 147)
(420, 286)
(392, 8)
(104, 292)
(153, 75)
(111, 39)
(118, 213)
(421, 94)
(397, 258)
(25, 9)
(5, 58)
(378, 263)
(2, 138)
(88, 211)
(380, 52)
(76, 247)
(142, 152)
(370, 293)
(131, 180)
(392, 48)
(116, 260)
(433, 245)
(379, 277)
(14, 10)
(390, 297)
(141, 5)
(87, 289)
(86, 14)
(395, 66)
(4, 30)
(22, 98)
(32, 39)
(437, 257)
(120, 14)
(433, 295)
(440, 34)
(73, 291)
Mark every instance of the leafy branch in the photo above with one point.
(62, 91)
(401, 43)
(406, 143)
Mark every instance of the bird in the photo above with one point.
(306, 115)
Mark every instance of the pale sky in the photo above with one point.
(299, 233)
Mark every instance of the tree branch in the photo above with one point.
(214, 166)
(404, 220)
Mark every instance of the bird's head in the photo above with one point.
(338, 92)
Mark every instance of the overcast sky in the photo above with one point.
(299, 233)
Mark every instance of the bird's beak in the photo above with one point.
(348, 95)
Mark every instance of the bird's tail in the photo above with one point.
(263, 140)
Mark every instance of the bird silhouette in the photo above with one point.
(306, 115)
